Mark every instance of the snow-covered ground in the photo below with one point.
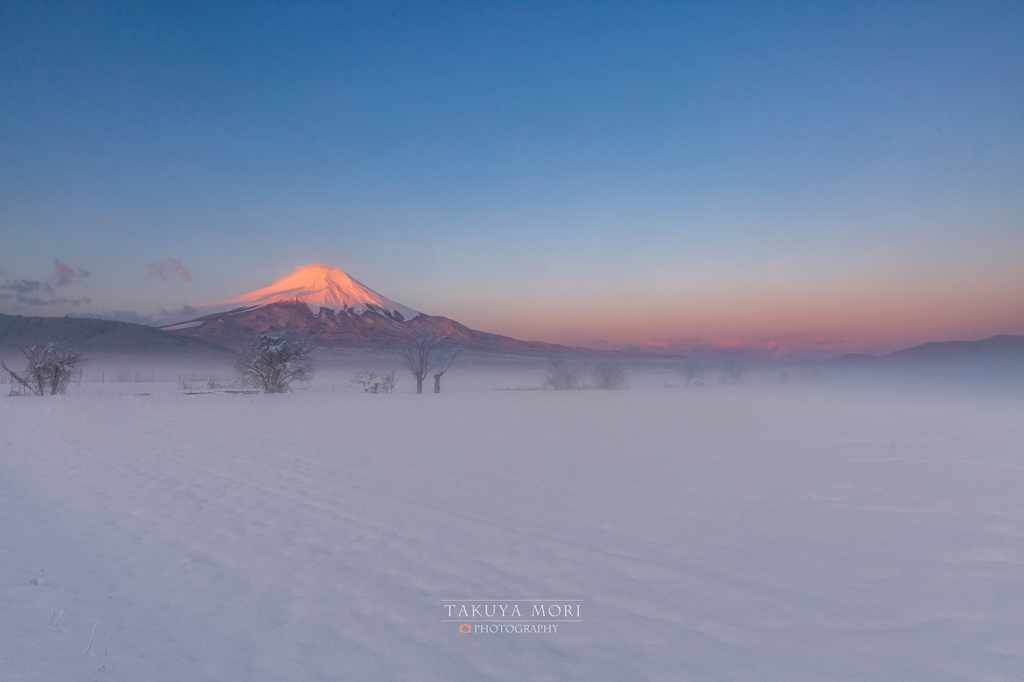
(753, 532)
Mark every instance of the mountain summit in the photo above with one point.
(321, 286)
(326, 306)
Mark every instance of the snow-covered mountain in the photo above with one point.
(319, 286)
(332, 309)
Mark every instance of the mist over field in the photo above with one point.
(795, 524)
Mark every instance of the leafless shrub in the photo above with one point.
(609, 375)
(48, 370)
(733, 372)
(563, 374)
(388, 380)
(218, 382)
(272, 362)
(377, 381)
(693, 373)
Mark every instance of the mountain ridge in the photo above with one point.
(342, 329)
(998, 347)
(333, 309)
(91, 334)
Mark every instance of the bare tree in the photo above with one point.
(49, 371)
(445, 357)
(609, 375)
(563, 375)
(377, 381)
(273, 362)
(693, 373)
(420, 357)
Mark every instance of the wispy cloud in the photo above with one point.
(185, 310)
(119, 316)
(56, 300)
(35, 292)
(68, 275)
(26, 286)
(162, 317)
(170, 268)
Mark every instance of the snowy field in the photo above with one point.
(767, 531)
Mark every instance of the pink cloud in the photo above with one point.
(170, 267)
(67, 274)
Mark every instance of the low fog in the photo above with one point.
(336, 368)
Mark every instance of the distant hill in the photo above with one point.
(98, 336)
(1001, 347)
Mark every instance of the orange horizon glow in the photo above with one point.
(829, 323)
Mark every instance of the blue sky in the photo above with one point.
(668, 174)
